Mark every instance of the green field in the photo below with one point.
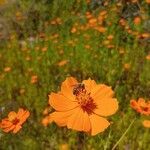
(42, 50)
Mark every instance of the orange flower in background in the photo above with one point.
(64, 147)
(34, 79)
(122, 22)
(110, 46)
(146, 123)
(110, 37)
(137, 20)
(101, 29)
(7, 69)
(83, 106)
(88, 15)
(88, 1)
(46, 120)
(127, 66)
(148, 1)
(22, 91)
(14, 121)
(92, 22)
(44, 49)
(87, 46)
(141, 106)
(144, 35)
(62, 63)
(73, 30)
(148, 57)
(59, 21)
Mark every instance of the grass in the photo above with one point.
(124, 67)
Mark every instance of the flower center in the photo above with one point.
(15, 121)
(144, 108)
(84, 99)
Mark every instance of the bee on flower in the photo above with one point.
(82, 106)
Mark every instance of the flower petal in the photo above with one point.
(46, 120)
(67, 87)
(5, 123)
(12, 115)
(24, 117)
(61, 103)
(9, 129)
(134, 104)
(89, 84)
(98, 124)
(79, 121)
(61, 118)
(101, 91)
(106, 106)
(17, 128)
(20, 112)
(141, 102)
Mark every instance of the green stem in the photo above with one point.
(123, 134)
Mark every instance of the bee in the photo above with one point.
(78, 88)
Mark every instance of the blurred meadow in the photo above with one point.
(44, 41)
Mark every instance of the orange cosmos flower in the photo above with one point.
(100, 29)
(14, 121)
(88, 15)
(110, 46)
(22, 91)
(83, 106)
(145, 35)
(141, 106)
(146, 123)
(73, 30)
(127, 66)
(110, 37)
(7, 69)
(92, 21)
(87, 46)
(137, 20)
(148, 57)
(62, 63)
(103, 13)
(44, 49)
(64, 147)
(148, 1)
(88, 1)
(122, 22)
(34, 79)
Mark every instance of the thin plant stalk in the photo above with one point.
(123, 134)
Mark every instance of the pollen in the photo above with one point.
(85, 101)
(15, 121)
(13, 118)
